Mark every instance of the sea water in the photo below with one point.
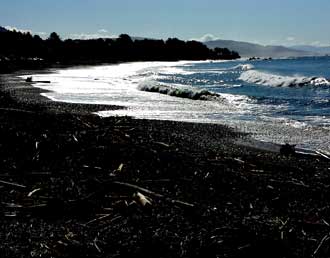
(282, 100)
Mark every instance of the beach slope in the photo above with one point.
(75, 184)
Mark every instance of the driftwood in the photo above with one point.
(102, 218)
(119, 169)
(154, 194)
(12, 184)
(322, 155)
(98, 219)
(163, 144)
(324, 239)
(16, 110)
(33, 192)
(142, 199)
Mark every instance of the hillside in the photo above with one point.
(246, 49)
(315, 49)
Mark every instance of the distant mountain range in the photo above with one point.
(246, 49)
(313, 49)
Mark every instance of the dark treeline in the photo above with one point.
(23, 50)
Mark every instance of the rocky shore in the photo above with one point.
(75, 184)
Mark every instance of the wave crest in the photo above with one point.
(282, 81)
(179, 91)
(244, 67)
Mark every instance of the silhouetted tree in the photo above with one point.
(54, 37)
(124, 39)
(18, 50)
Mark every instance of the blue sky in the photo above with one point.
(286, 22)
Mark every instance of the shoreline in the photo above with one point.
(26, 93)
(277, 130)
(70, 182)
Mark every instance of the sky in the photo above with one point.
(268, 22)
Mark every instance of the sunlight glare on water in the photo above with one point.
(279, 100)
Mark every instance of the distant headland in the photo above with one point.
(21, 50)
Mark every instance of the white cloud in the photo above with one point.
(290, 38)
(42, 34)
(91, 36)
(11, 28)
(319, 44)
(256, 42)
(273, 41)
(207, 37)
(102, 31)
(316, 43)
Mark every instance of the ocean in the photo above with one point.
(280, 100)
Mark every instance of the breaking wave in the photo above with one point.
(244, 67)
(281, 81)
(179, 91)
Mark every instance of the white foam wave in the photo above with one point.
(119, 85)
(176, 90)
(281, 81)
(285, 121)
(244, 67)
(175, 70)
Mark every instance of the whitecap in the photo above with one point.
(263, 78)
(244, 67)
(176, 90)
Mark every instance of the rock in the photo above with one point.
(287, 149)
